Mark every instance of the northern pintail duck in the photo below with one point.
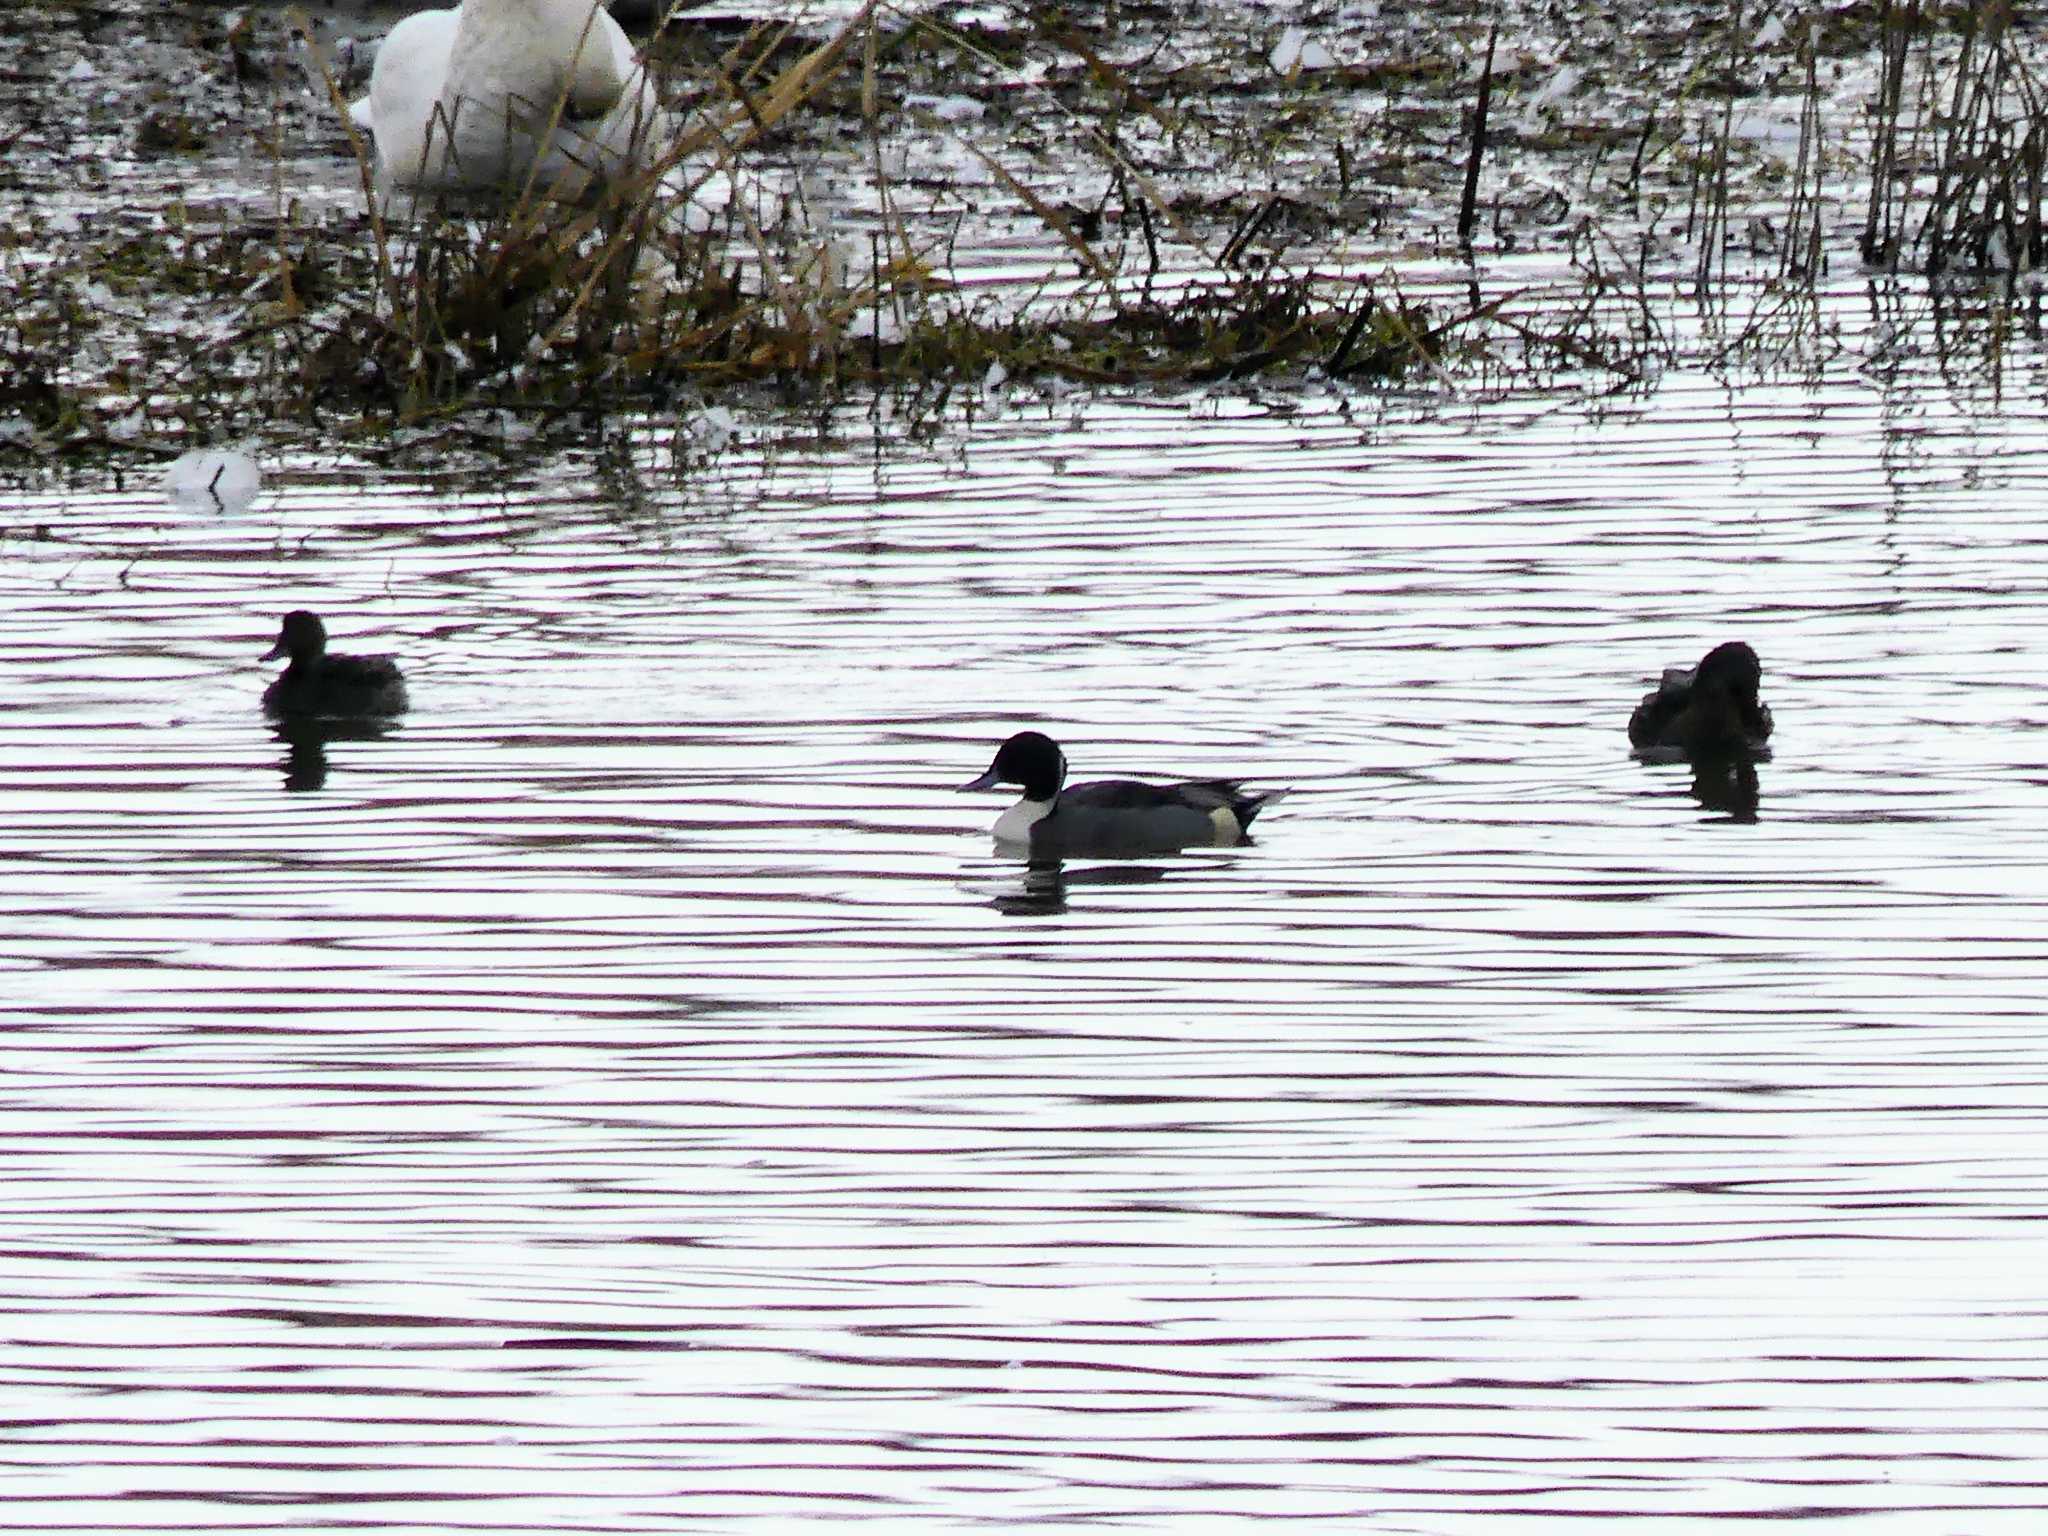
(315, 683)
(1110, 818)
(1708, 710)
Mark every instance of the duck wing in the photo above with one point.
(1207, 794)
(1652, 719)
(1681, 716)
(360, 685)
(1204, 795)
(1128, 816)
(1136, 795)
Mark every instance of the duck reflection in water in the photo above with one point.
(322, 696)
(1043, 890)
(306, 737)
(1728, 784)
(1109, 818)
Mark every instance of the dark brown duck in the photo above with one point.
(317, 683)
(1706, 711)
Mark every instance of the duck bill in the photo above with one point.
(986, 781)
(274, 652)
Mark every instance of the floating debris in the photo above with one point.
(213, 477)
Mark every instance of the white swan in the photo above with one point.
(466, 99)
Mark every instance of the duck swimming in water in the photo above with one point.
(1110, 818)
(316, 683)
(1708, 710)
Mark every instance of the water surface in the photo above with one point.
(631, 1096)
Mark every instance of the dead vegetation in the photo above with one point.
(1115, 198)
(1959, 132)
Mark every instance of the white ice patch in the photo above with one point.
(883, 327)
(1560, 85)
(213, 477)
(1296, 50)
(947, 109)
(1771, 123)
(712, 428)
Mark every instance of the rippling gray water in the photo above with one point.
(630, 1096)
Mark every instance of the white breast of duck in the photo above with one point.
(1015, 824)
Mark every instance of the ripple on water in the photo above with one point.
(627, 1095)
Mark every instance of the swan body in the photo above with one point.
(466, 99)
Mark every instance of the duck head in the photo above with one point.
(1029, 759)
(1730, 668)
(302, 637)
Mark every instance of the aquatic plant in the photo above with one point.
(1959, 135)
(1121, 195)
